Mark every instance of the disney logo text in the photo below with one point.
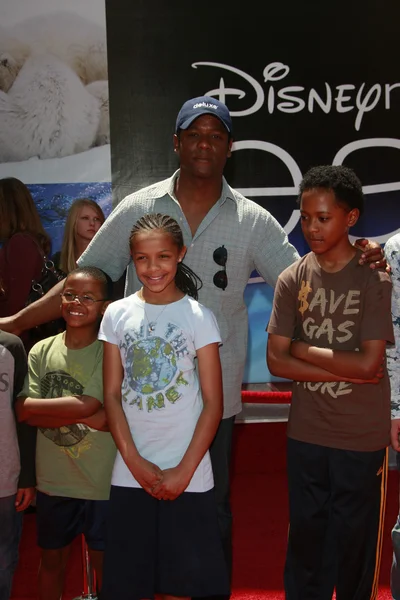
(295, 98)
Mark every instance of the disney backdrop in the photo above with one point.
(307, 83)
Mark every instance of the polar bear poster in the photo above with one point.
(73, 39)
(53, 81)
(47, 112)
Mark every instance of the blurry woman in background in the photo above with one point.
(84, 219)
(25, 244)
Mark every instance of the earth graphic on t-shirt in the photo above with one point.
(153, 365)
(56, 384)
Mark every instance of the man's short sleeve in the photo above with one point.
(283, 315)
(273, 253)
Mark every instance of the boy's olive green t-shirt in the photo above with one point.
(73, 461)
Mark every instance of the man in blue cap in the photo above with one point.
(227, 237)
(203, 105)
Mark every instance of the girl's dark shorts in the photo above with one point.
(161, 546)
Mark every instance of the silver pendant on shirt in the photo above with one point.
(151, 325)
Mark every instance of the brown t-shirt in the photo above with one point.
(339, 311)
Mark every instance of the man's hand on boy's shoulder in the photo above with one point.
(24, 498)
(394, 434)
(372, 254)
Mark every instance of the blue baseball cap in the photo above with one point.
(203, 105)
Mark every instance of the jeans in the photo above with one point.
(395, 572)
(10, 533)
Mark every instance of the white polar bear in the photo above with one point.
(99, 89)
(76, 41)
(47, 112)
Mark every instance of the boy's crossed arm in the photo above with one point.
(301, 362)
(365, 364)
(30, 408)
(65, 410)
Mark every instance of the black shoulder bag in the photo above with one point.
(49, 276)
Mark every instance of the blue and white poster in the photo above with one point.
(54, 105)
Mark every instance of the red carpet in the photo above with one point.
(260, 524)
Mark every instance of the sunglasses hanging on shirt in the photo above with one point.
(220, 256)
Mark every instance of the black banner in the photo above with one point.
(307, 83)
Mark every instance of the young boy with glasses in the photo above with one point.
(63, 397)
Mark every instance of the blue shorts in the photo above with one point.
(59, 520)
(161, 546)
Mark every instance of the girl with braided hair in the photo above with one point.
(163, 535)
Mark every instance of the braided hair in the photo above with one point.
(185, 279)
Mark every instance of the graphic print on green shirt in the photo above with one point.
(55, 385)
(75, 460)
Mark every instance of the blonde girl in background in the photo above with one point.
(85, 217)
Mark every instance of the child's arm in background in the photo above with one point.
(146, 473)
(27, 478)
(26, 438)
(283, 363)
(177, 479)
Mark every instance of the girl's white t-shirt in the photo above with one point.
(161, 394)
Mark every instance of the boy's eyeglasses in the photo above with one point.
(220, 256)
(87, 300)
